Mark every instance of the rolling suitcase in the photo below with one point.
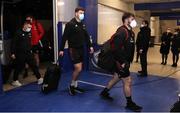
(51, 78)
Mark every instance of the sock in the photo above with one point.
(129, 99)
(106, 90)
(74, 83)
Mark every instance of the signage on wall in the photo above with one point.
(178, 22)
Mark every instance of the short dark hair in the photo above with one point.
(126, 15)
(146, 22)
(79, 9)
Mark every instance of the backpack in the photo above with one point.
(105, 58)
(108, 45)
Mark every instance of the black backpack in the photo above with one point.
(51, 79)
(105, 58)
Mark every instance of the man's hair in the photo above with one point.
(79, 9)
(146, 22)
(26, 22)
(126, 15)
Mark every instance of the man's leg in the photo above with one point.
(174, 58)
(143, 58)
(166, 57)
(32, 63)
(36, 57)
(75, 74)
(127, 83)
(73, 88)
(162, 59)
(19, 65)
(105, 93)
(77, 55)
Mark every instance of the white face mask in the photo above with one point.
(133, 24)
(142, 25)
(81, 17)
(28, 29)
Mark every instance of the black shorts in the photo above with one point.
(123, 72)
(76, 55)
(35, 49)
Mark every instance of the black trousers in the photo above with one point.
(21, 60)
(143, 59)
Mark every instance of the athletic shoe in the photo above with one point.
(106, 95)
(174, 65)
(139, 71)
(40, 81)
(134, 107)
(162, 63)
(165, 63)
(79, 90)
(16, 83)
(71, 90)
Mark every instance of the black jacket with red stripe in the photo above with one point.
(123, 45)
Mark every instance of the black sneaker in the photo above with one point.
(162, 63)
(139, 71)
(79, 90)
(72, 90)
(165, 63)
(106, 95)
(134, 107)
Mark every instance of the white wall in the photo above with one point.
(108, 22)
(109, 19)
(164, 24)
(66, 9)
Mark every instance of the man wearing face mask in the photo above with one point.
(144, 37)
(175, 47)
(76, 34)
(122, 47)
(165, 45)
(37, 33)
(21, 53)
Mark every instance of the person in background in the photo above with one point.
(37, 32)
(137, 49)
(76, 34)
(122, 48)
(144, 37)
(21, 53)
(175, 47)
(165, 45)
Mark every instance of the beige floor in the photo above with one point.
(154, 68)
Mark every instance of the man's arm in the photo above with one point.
(14, 44)
(65, 36)
(40, 30)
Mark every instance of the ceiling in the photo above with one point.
(148, 1)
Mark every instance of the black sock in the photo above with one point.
(106, 90)
(129, 99)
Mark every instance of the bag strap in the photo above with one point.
(113, 36)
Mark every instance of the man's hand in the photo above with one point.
(91, 50)
(61, 53)
(141, 51)
(13, 56)
(123, 65)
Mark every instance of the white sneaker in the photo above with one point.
(40, 81)
(16, 83)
